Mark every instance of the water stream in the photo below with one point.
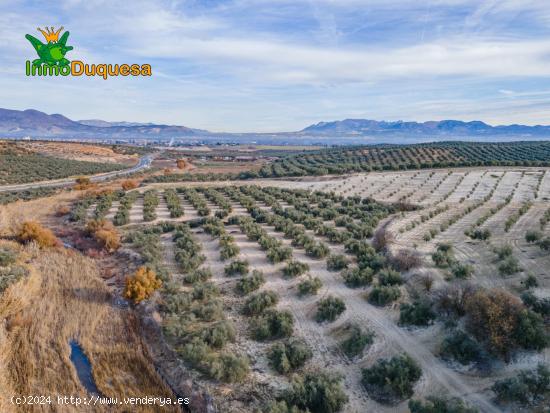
(83, 368)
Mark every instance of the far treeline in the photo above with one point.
(348, 159)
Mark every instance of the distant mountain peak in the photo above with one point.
(31, 122)
(370, 127)
(105, 124)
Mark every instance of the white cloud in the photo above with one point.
(255, 65)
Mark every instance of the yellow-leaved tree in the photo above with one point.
(141, 285)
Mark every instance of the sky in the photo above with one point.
(281, 65)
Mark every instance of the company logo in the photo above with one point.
(52, 61)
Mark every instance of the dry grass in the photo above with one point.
(11, 215)
(64, 299)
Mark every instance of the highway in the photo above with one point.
(143, 163)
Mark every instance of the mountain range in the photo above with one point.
(35, 124)
(443, 127)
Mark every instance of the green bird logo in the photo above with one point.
(54, 50)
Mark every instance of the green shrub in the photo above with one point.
(419, 313)
(440, 405)
(309, 286)
(390, 381)
(7, 257)
(538, 305)
(248, 284)
(228, 368)
(356, 342)
(278, 254)
(388, 277)
(337, 262)
(228, 248)
(199, 275)
(187, 250)
(295, 268)
(175, 302)
(259, 302)
(173, 203)
(461, 347)
(329, 308)
(317, 392)
(509, 266)
(527, 387)
(204, 291)
(530, 281)
(214, 226)
(10, 275)
(544, 244)
(504, 251)
(209, 311)
(237, 267)
(444, 256)
(272, 324)
(316, 250)
(197, 200)
(480, 234)
(383, 295)
(150, 203)
(533, 236)
(218, 334)
(122, 216)
(530, 331)
(461, 271)
(358, 277)
(288, 356)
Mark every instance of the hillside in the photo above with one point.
(19, 164)
(14, 123)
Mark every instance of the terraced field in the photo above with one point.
(252, 270)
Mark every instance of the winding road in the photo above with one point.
(143, 163)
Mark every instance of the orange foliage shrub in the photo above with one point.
(62, 210)
(108, 238)
(130, 184)
(181, 163)
(83, 182)
(167, 171)
(141, 285)
(34, 231)
(105, 233)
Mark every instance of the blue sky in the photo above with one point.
(280, 65)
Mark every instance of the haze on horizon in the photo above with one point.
(280, 65)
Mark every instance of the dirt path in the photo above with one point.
(435, 371)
